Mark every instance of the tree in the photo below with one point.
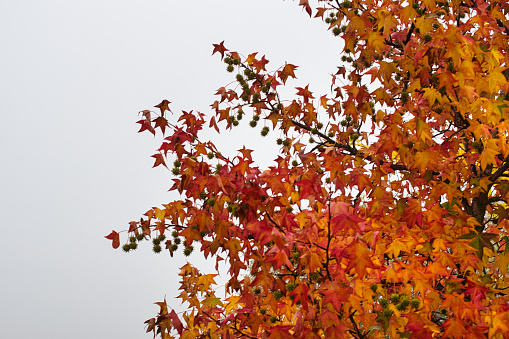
(386, 214)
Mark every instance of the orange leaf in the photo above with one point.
(115, 237)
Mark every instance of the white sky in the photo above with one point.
(73, 76)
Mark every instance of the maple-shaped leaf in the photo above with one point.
(162, 123)
(320, 12)
(287, 71)
(159, 160)
(146, 126)
(133, 225)
(219, 48)
(488, 156)
(177, 324)
(163, 106)
(300, 294)
(114, 236)
(305, 93)
(454, 328)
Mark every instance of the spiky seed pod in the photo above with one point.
(188, 251)
(387, 312)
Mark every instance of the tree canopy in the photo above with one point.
(385, 214)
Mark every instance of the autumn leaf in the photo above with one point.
(114, 236)
(146, 126)
(305, 4)
(163, 106)
(159, 160)
(288, 71)
(219, 48)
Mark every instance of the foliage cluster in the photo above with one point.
(385, 213)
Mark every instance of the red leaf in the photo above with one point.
(115, 237)
(305, 4)
(162, 123)
(219, 48)
(177, 324)
(163, 106)
(159, 160)
(146, 126)
(133, 225)
(305, 93)
(213, 124)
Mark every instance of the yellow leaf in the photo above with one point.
(395, 248)
(432, 95)
(159, 213)
(376, 42)
(205, 281)
(489, 153)
(502, 263)
(496, 79)
(423, 130)
(191, 334)
(421, 160)
(416, 84)
(232, 303)
(212, 302)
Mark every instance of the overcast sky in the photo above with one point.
(73, 76)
